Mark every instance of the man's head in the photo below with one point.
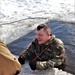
(43, 33)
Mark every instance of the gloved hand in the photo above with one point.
(21, 60)
(32, 65)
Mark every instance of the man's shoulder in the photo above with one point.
(57, 40)
(59, 45)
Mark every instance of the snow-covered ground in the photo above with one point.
(13, 10)
(16, 15)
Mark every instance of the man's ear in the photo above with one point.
(48, 34)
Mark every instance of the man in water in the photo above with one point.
(8, 64)
(45, 50)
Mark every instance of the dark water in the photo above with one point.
(63, 30)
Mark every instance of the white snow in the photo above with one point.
(15, 15)
(53, 9)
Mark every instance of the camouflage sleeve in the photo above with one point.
(28, 52)
(59, 56)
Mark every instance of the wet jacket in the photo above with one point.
(53, 56)
(9, 65)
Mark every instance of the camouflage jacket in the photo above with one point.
(54, 55)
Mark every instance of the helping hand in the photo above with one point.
(32, 65)
(21, 60)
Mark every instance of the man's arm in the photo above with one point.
(26, 54)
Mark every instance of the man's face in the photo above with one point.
(42, 36)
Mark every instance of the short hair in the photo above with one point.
(44, 26)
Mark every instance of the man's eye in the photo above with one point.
(40, 35)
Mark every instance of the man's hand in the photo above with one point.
(32, 65)
(21, 60)
(41, 65)
(38, 65)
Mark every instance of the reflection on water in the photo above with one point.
(62, 30)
